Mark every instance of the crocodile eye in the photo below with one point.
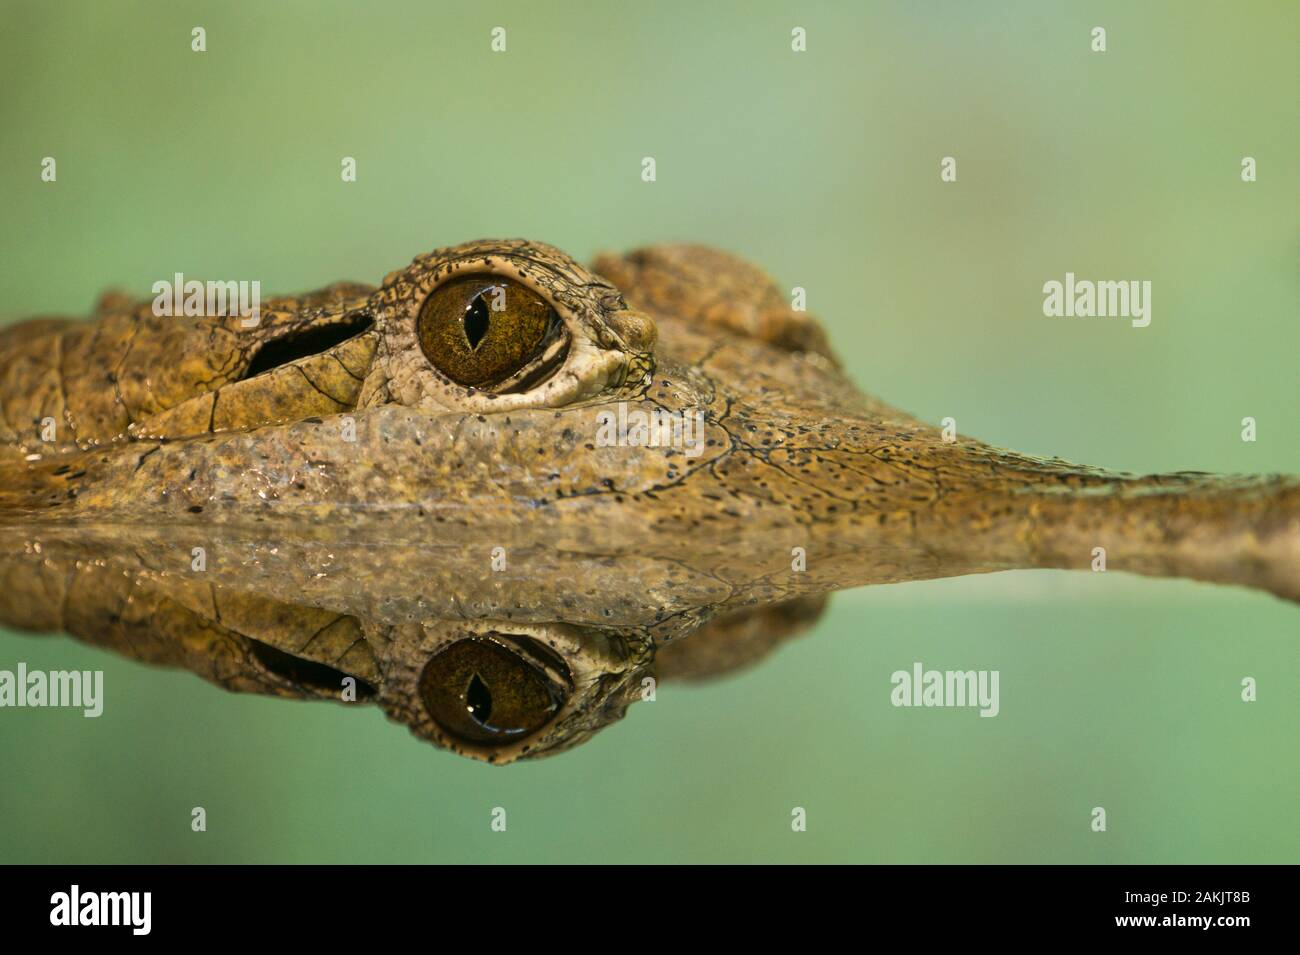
(483, 330)
(494, 689)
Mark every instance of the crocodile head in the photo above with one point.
(496, 492)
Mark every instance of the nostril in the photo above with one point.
(304, 673)
(305, 342)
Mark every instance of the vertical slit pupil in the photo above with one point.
(476, 322)
(478, 699)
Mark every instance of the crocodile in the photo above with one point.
(502, 494)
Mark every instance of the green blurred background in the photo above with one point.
(823, 167)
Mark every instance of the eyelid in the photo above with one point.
(555, 348)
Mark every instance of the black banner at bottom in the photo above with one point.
(220, 904)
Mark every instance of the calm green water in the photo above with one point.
(823, 166)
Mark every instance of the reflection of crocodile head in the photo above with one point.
(497, 665)
(496, 497)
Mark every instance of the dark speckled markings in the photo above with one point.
(454, 553)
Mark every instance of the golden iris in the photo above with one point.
(484, 692)
(481, 329)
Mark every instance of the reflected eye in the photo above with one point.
(494, 689)
(482, 330)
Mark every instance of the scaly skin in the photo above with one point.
(350, 503)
